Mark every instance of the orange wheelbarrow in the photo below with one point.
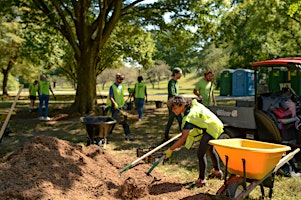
(249, 161)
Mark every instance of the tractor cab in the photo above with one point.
(277, 109)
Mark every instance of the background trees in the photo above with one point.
(258, 30)
(80, 39)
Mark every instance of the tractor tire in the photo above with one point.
(230, 132)
(235, 187)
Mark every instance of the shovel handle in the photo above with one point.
(149, 153)
(125, 168)
(155, 165)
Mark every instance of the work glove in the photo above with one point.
(115, 105)
(168, 153)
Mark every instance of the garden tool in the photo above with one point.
(161, 159)
(149, 153)
(10, 113)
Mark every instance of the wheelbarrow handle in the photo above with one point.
(285, 159)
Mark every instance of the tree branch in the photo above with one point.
(66, 28)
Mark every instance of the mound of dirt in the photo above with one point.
(50, 168)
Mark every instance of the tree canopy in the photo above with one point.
(84, 37)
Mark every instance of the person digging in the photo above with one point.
(199, 124)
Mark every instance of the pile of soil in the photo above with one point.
(49, 168)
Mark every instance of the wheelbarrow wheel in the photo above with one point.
(235, 187)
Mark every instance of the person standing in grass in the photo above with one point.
(44, 87)
(199, 124)
(204, 90)
(173, 90)
(115, 103)
(33, 90)
(140, 96)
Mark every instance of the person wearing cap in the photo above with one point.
(204, 90)
(140, 96)
(44, 87)
(173, 90)
(199, 125)
(115, 103)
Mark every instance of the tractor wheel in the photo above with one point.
(235, 187)
(230, 132)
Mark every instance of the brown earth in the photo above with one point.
(48, 160)
(50, 168)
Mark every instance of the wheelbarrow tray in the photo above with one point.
(260, 157)
(97, 126)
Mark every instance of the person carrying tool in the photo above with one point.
(173, 90)
(140, 96)
(204, 89)
(199, 124)
(115, 104)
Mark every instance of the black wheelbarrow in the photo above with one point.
(98, 128)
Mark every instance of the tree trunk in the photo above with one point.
(85, 98)
(4, 82)
(5, 73)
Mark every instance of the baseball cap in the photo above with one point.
(176, 70)
(119, 76)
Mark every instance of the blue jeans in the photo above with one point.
(140, 104)
(43, 98)
(171, 118)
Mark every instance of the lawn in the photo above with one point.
(148, 133)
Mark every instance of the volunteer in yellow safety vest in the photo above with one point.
(199, 124)
(140, 95)
(115, 103)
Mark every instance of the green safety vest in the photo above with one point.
(44, 87)
(33, 89)
(118, 96)
(203, 118)
(140, 90)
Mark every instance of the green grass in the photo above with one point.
(183, 164)
(186, 85)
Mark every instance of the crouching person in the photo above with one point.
(199, 124)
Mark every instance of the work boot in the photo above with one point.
(200, 183)
(216, 174)
(129, 137)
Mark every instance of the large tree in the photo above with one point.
(88, 24)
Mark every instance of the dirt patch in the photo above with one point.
(49, 168)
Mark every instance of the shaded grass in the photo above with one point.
(148, 132)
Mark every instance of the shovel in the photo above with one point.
(155, 164)
(149, 153)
